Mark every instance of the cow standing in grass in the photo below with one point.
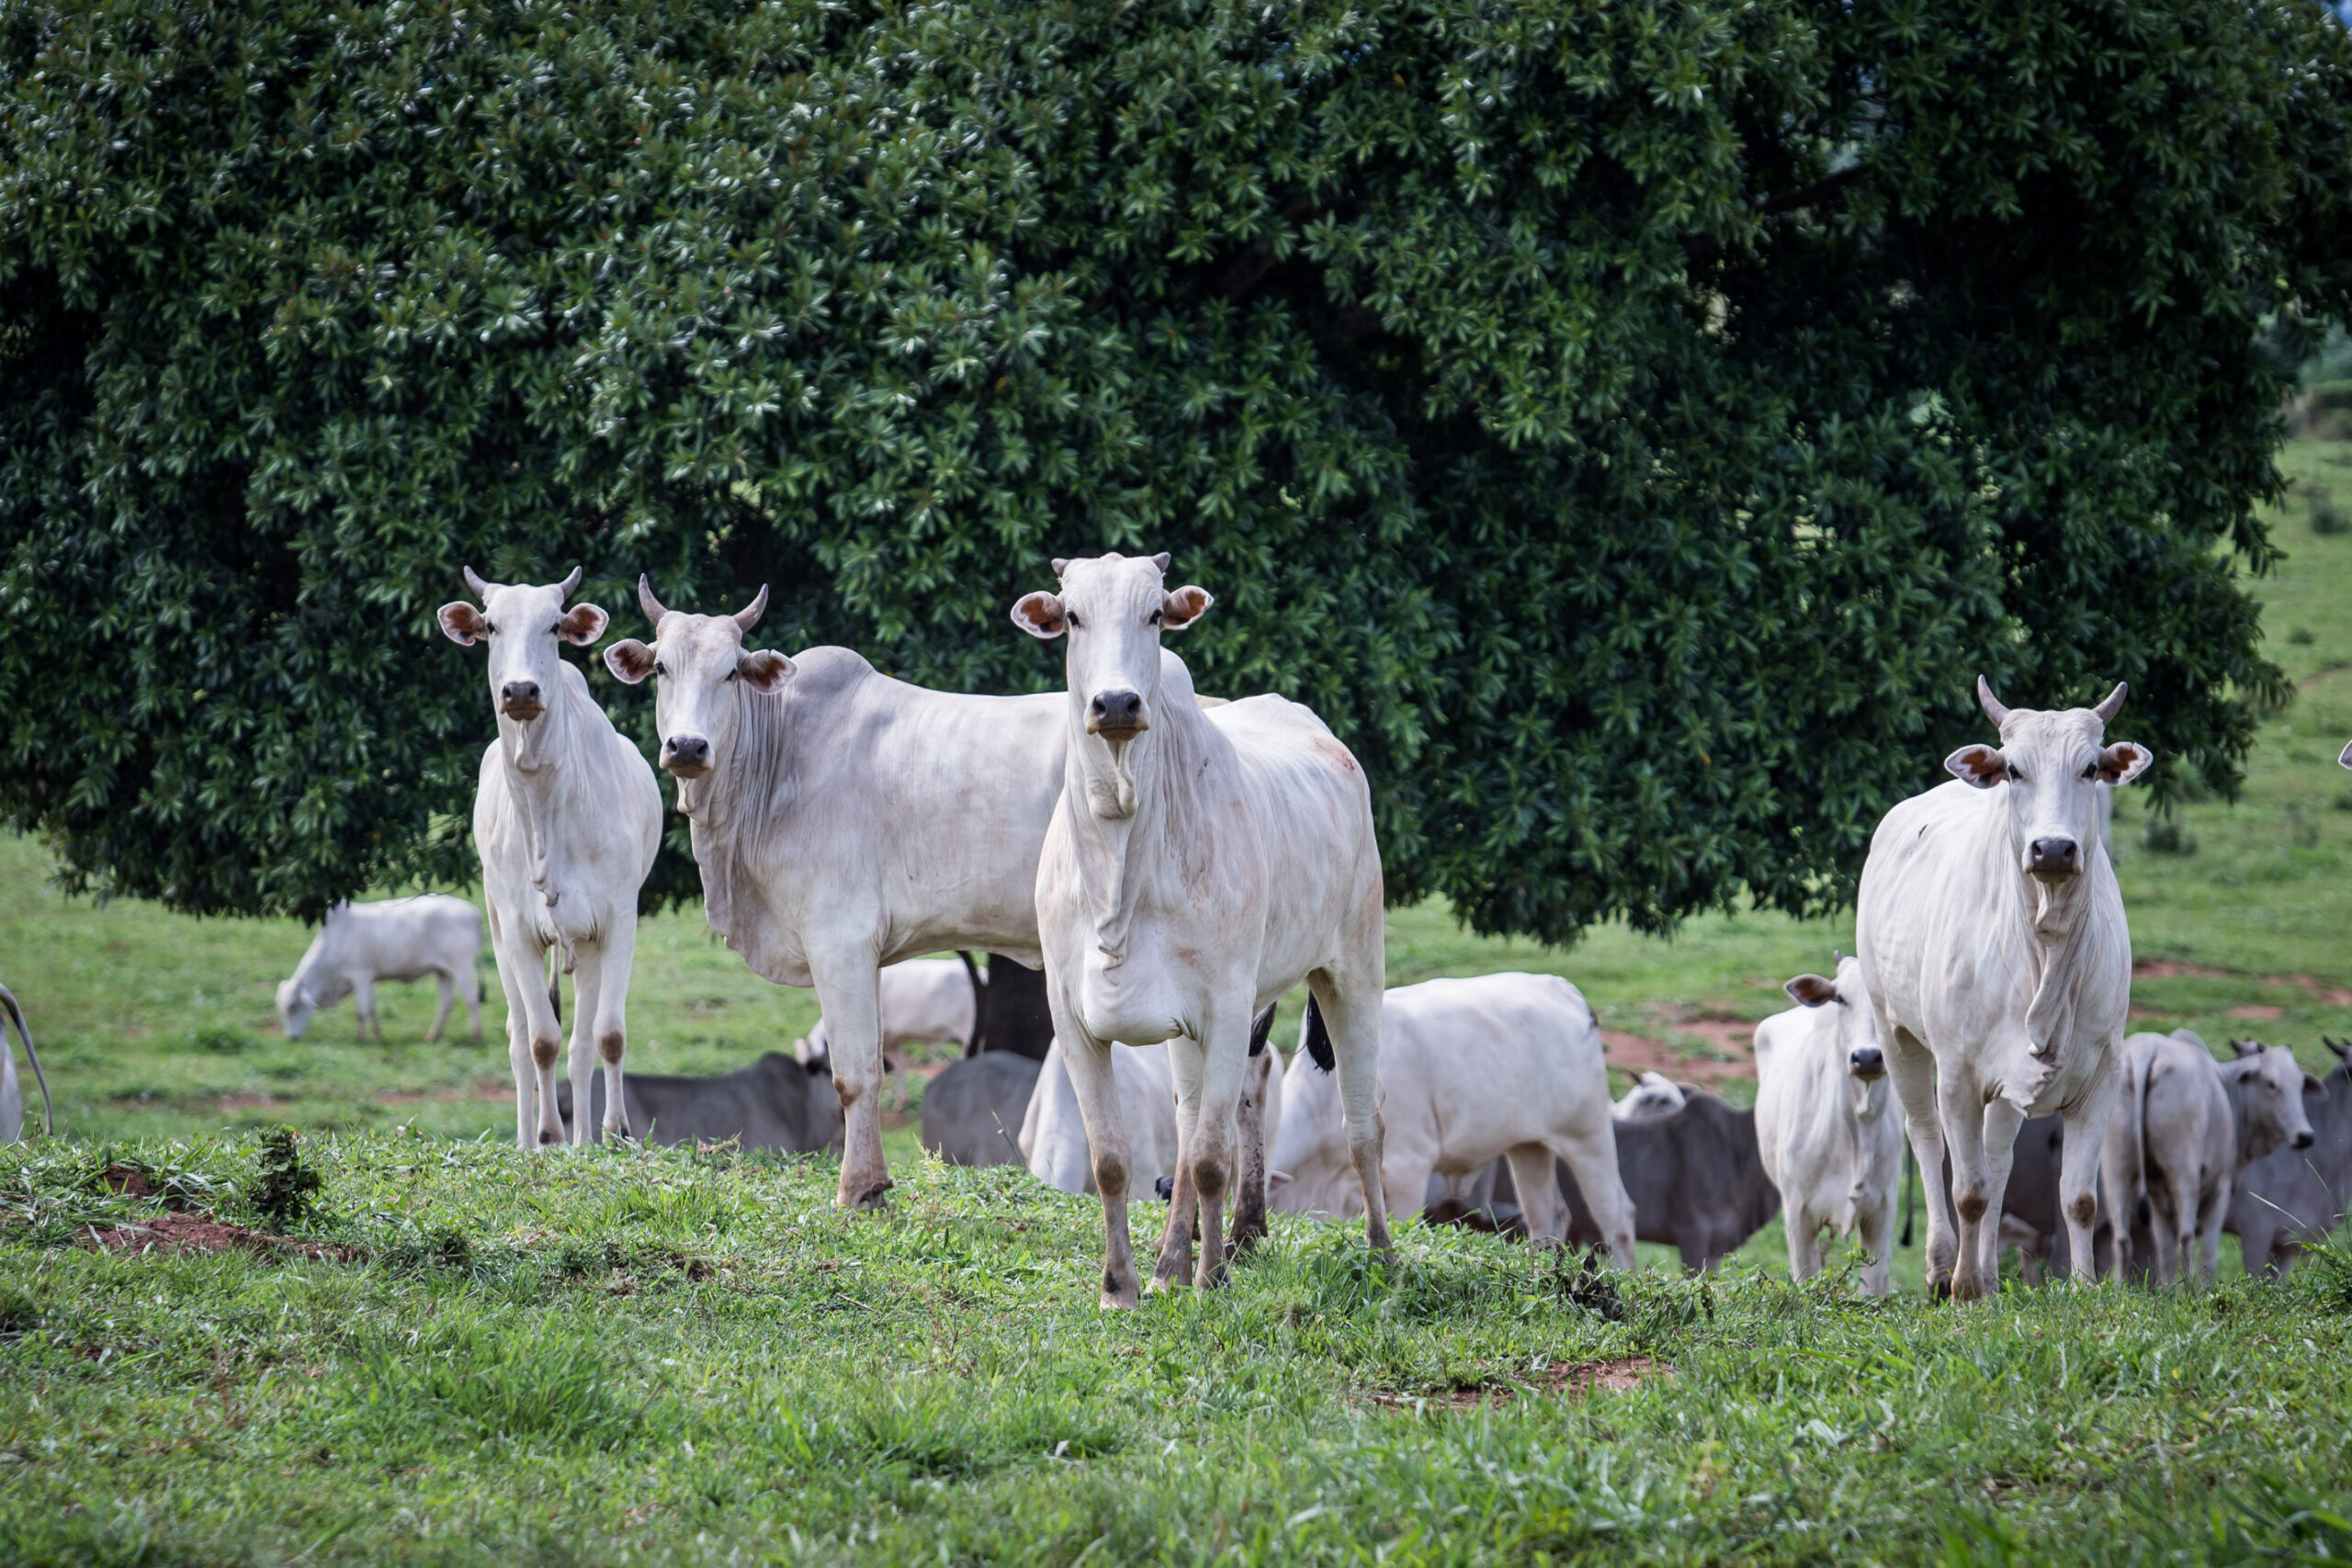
(1827, 1126)
(1993, 945)
(1199, 865)
(567, 820)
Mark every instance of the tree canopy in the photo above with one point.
(1632, 426)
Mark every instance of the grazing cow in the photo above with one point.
(400, 939)
(774, 1103)
(1472, 1070)
(1996, 952)
(2290, 1198)
(1827, 1125)
(1653, 1094)
(972, 1113)
(12, 1094)
(834, 813)
(1198, 865)
(1695, 1178)
(2188, 1128)
(924, 1002)
(1053, 1131)
(567, 820)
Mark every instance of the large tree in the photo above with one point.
(1631, 425)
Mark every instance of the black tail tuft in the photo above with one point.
(1319, 1038)
(1260, 1028)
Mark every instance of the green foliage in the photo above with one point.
(1629, 426)
(284, 1190)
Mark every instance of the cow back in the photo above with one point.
(972, 1111)
(1696, 1178)
(2290, 1196)
(775, 1103)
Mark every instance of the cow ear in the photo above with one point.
(2123, 761)
(764, 670)
(461, 623)
(584, 624)
(1810, 990)
(629, 660)
(1979, 764)
(1184, 607)
(1041, 615)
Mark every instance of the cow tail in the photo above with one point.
(977, 1043)
(555, 989)
(1910, 1187)
(1261, 1028)
(1318, 1037)
(16, 1015)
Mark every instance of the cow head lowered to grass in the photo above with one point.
(701, 661)
(2053, 762)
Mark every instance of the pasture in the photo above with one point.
(657, 1354)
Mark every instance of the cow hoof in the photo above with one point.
(546, 1138)
(871, 1201)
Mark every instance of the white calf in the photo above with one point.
(1827, 1125)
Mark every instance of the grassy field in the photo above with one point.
(628, 1355)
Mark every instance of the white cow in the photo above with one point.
(1199, 865)
(1999, 965)
(1826, 1125)
(1653, 1094)
(1053, 1133)
(845, 821)
(399, 939)
(924, 1002)
(12, 1094)
(1472, 1070)
(567, 820)
(2187, 1128)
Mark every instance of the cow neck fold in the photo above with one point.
(1128, 812)
(728, 810)
(545, 774)
(2060, 941)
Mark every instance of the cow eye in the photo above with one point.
(2090, 769)
(1071, 615)
(659, 669)
(490, 628)
(1152, 619)
(730, 674)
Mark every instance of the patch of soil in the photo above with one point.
(192, 1232)
(131, 1180)
(481, 1088)
(2263, 1013)
(1572, 1379)
(249, 1102)
(1636, 1054)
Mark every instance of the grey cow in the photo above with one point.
(1696, 1178)
(2292, 1197)
(774, 1103)
(971, 1112)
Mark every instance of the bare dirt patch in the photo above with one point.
(1732, 1038)
(2263, 1013)
(1572, 1379)
(194, 1232)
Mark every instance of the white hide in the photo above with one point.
(1053, 1133)
(924, 1002)
(1653, 1094)
(1198, 865)
(399, 939)
(1827, 1126)
(1494, 1066)
(2001, 991)
(845, 821)
(567, 820)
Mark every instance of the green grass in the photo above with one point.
(624, 1355)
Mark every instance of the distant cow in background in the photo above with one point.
(774, 1103)
(2290, 1198)
(399, 939)
(1828, 1128)
(12, 1094)
(1696, 1179)
(972, 1111)
(1653, 1094)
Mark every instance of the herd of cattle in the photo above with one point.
(1177, 861)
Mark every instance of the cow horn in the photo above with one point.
(481, 590)
(2343, 1049)
(1994, 708)
(749, 615)
(647, 602)
(563, 590)
(2114, 703)
(2242, 1048)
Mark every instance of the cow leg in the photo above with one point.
(1912, 1068)
(849, 991)
(2085, 1141)
(1250, 1127)
(1089, 1064)
(1541, 1208)
(533, 1037)
(1590, 1153)
(609, 1008)
(1804, 1242)
(441, 1014)
(363, 1008)
(1174, 1266)
(1966, 1138)
(474, 999)
(2209, 1228)
(588, 964)
(1209, 1151)
(1350, 1002)
(1876, 1227)
(2000, 1123)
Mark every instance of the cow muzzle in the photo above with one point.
(1867, 1063)
(1116, 715)
(685, 756)
(2052, 859)
(2303, 1139)
(521, 701)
